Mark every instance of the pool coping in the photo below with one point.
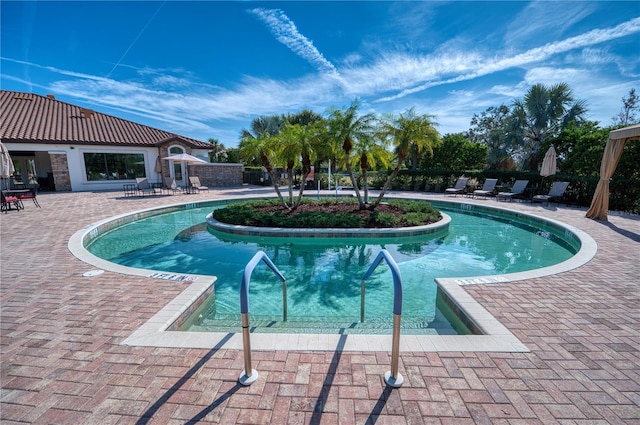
(495, 338)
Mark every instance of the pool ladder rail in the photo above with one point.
(249, 375)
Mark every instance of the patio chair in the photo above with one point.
(488, 187)
(7, 201)
(459, 188)
(517, 191)
(144, 187)
(195, 183)
(555, 193)
(30, 195)
(170, 184)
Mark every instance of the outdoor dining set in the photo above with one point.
(12, 199)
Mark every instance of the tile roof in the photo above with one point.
(32, 118)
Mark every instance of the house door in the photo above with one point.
(177, 168)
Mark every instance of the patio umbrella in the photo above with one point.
(186, 158)
(6, 165)
(548, 164)
(158, 168)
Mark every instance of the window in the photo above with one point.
(114, 166)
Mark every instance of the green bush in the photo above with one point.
(384, 219)
(412, 213)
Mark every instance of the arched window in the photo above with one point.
(177, 168)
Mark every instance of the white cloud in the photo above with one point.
(286, 33)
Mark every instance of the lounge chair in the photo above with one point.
(555, 193)
(170, 184)
(488, 187)
(459, 188)
(144, 187)
(517, 191)
(195, 183)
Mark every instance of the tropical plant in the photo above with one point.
(370, 152)
(259, 144)
(346, 126)
(407, 131)
(218, 151)
(543, 112)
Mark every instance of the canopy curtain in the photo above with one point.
(612, 153)
(600, 201)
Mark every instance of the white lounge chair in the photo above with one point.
(195, 183)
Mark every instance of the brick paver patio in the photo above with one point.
(62, 362)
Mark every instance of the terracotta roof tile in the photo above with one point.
(31, 118)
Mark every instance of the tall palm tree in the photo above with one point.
(407, 131)
(543, 112)
(347, 126)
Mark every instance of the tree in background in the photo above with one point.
(456, 152)
(630, 106)
(580, 150)
(490, 129)
(233, 156)
(218, 151)
(542, 113)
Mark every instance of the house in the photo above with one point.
(64, 147)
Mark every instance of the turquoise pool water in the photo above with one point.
(324, 276)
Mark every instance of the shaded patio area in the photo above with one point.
(62, 360)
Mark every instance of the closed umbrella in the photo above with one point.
(548, 164)
(6, 165)
(158, 168)
(186, 158)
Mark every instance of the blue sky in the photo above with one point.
(207, 68)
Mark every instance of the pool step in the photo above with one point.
(323, 326)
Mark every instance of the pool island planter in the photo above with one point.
(441, 227)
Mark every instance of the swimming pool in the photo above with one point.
(323, 279)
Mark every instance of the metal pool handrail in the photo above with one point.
(392, 378)
(249, 375)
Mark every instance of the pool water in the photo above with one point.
(324, 275)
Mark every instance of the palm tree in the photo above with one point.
(307, 138)
(407, 131)
(260, 144)
(346, 126)
(370, 153)
(543, 112)
(308, 141)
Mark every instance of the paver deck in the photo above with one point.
(62, 361)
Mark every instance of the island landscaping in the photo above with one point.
(328, 213)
